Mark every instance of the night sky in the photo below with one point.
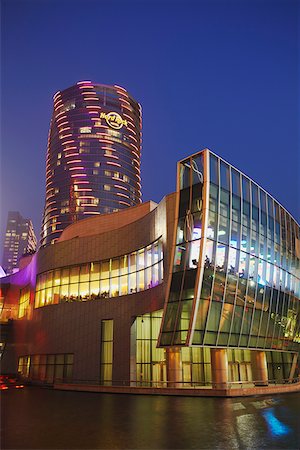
(216, 74)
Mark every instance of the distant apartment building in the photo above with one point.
(19, 240)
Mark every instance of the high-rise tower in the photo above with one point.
(19, 240)
(93, 155)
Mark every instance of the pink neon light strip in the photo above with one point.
(113, 163)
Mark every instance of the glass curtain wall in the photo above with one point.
(186, 256)
(250, 289)
(150, 360)
(127, 274)
(47, 368)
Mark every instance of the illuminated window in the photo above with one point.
(97, 164)
(107, 342)
(111, 278)
(85, 130)
(24, 302)
(58, 155)
(107, 173)
(107, 187)
(95, 172)
(108, 152)
(125, 178)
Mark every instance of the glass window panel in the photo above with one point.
(74, 274)
(209, 253)
(232, 261)
(224, 170)
(148, 275)
(155, 275)
(224, 203)
(148, 256)
(94, 289)
(235, 178)
(220, 257)
(124, 265)
(141, 259)
(64, 292)
(84, 291)
(56, 278)
(197, 169)
(55, 294)
(104, 270)
(212, 224)
(124, 284)
(213, 198)
(243, 265)
(263, 205)
(246, 189)
(132, 282)
(95, 271)
(184, 174)
(155, 253)
(37, 299)
(49, 277)
(194, 254)
(235, 235)
(254, 195)
(114, 287)
(73, 291)
(141, 278)
(115, 264)
(65, 276)
(223, 232)
(132, 261)
(104, 288)
(179, 259)
(213, 163)
(48, 296)
(84, 272)
(270, 206)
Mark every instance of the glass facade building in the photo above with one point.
(235, 277)
(19, 240)
(202, 289)
(93, 155)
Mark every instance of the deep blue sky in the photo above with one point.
(216, 74)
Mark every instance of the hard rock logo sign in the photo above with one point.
(114, 120)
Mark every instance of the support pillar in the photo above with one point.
(293, 368)
(219, 368)
(174, 367)
(259, 368)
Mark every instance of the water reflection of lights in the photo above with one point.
(276, 427)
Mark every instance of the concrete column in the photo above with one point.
(219, 368)
(174, 367)
(293, 368)
(259, 368)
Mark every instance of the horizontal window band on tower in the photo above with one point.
(123, 275)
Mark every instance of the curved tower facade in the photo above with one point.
(93, 155)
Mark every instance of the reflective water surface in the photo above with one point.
(35, 418)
